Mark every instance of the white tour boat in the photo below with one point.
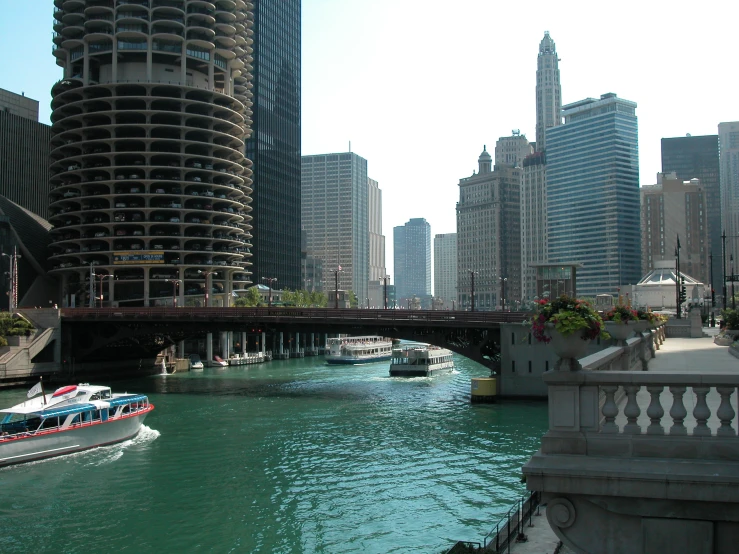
(358, 350)
(420, 360)
(73, 418)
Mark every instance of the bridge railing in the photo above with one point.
(325, 314)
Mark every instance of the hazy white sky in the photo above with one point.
(419, 87)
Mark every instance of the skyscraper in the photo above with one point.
(149, 183)
(412, 258)
(489, 236)
(335, 217)
(593, 193)
(24, 153)
(670, 209)
(534, 245)
(548, 91)
(512, 150)
(445, 268)
(728, 136)
(274, 147)
(698, 158)
(376, 239)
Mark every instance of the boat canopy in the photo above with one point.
(120, 400)
(66, 410)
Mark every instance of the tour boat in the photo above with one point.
(420, 360)
(358, 350)
(73, 418)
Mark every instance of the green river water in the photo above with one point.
(284, 457)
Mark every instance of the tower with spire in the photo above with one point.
(548, 91)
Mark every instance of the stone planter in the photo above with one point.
(620, 331)
(569, 348)
(642, 325)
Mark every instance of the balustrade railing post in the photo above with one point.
(678, 411)
(655, 411)
(725, 412)
(631, 411)
(610, 410)
(701, 412)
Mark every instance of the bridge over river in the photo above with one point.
(103, 334)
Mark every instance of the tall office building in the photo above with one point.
(670, 209)
(376, 239)
(24, 153)
(728, 136)
(548, 91)
(412, 259)
(335, 217)
(512, 150)
(593, 193)
(445, 269)
(489, 236)
(149, 181)
(274, 147)
(698, 158)
(534, 238)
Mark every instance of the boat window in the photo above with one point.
(75, 420)
(81, 393)
(105, 393)
(95, 396)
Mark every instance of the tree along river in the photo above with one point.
(284, 457)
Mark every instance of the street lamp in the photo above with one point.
(336, 285)
(723, 256)
(733, 300)
(385, 279)
(102, 276)
(502, 292)
(677, 278)
(271, 281)
(208, 285)
(175, 283)
(472, 290)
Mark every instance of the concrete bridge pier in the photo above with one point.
(281, 354)
(297, 352)
(209, 347)
(225, 336)
(264, 342)
(181, 349)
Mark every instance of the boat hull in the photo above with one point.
(351, 360)
(420, 371)
(59, 443)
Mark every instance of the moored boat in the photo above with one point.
(358, 350)
(420, 360)
(73, 418)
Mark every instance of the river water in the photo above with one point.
(284, 457)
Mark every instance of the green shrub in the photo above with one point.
(731, 318)
(3, 341)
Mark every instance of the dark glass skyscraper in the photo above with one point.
(698, 158)
(274, 146)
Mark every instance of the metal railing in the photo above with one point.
(511, 525)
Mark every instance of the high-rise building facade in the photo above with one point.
(593, 193)
(489, 236)
(728, 136)
(512, 150)
(670, 209)
(150, 188)
(274, 147)
(548, 91)
(376, 239)
(534, 238)
(698, 158)
(24, 153)
(445, 269)
(412, 259)
(335, 216)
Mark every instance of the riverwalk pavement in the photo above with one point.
(682, 355)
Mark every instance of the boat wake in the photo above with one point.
(109, 454)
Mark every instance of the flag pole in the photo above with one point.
(41, 380)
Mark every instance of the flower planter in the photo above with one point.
(569, 348)
(642, 325)
(620, 331)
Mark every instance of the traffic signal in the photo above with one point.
(683, 294)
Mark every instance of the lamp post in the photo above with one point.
(713, 292)
(175, 283)
(472, 290)
(208, 285)
(723, 256)
(502, 292)
(677, 278)
(269, 280)
(11, 281)
(102, 276)
(733, 300)
(385, 279)
(336, 286)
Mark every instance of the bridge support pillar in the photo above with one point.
(297, 345)
(312, 343)
(281, 346)
(264, 342)
(225, 339)
(209, 347)
(243, 342)
(181, 349)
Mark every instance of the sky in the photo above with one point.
(419, 87)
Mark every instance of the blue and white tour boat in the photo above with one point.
(420, 360)
(73, 418)
(358, 350)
